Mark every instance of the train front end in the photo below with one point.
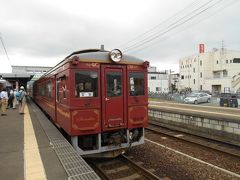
(110, 102)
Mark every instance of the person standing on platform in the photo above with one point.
(0, 100)
(22, 100)
(14, 99)
(17, 97)
(4, 101)
(10, 99)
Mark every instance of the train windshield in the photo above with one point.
(86, 83)
(136, 84)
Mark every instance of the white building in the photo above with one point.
(157, 81)
(216, 71)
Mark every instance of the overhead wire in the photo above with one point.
(174, 25)
(191, 5)
(4, 47)
(221, 8)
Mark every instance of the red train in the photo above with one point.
(98, 98)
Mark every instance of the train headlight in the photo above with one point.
(116, 55)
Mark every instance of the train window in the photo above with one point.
(114, 84)
(42, 90)
(48, 90)
(136, 84)
(64, 87)
(86, 84)
(57, 87)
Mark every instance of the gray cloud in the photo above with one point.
(35, 29)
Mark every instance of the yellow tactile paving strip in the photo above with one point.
(33, 166)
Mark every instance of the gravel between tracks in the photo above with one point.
(169, 164)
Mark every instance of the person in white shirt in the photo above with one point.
(4, 101)
(14, 99)
(22, 100)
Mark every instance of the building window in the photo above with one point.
(194, 70)
(182, 76)
(217, 61)
(225, 73)
(230, 61)
(200, 87)
(201, 63)
(194, 81)
(236, 60)
(190, 65)
(227, 61)
(201, 75)
(216, 74)
(158, 89)
(153, 78)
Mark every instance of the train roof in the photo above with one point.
(102, 56)
(97, 55)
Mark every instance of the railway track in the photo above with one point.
(120, 168)
(205, 142)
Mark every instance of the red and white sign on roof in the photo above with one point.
(201, 48)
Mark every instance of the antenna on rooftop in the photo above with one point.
(222, 44)
(102, 47)
(222, 53)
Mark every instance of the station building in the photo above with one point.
(216, 71)
(22, 74)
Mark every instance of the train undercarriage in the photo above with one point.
(108, 144)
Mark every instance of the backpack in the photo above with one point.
(21, 96)
(17, 95)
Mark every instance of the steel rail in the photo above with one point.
(138, 171)
(213, 146)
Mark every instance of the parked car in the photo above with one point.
(196, 98)
(205, 91)
(228, 100)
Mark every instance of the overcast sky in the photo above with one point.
(43, 32)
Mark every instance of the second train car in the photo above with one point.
(98, 98)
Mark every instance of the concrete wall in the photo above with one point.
(217, 128)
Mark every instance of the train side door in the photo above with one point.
(113, 96)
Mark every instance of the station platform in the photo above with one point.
(32, 148)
